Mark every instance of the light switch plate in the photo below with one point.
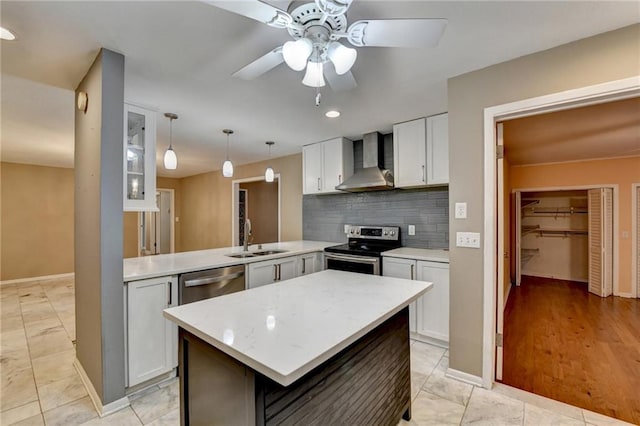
(461, 211)
(468, 239)
(412, 230)
(346, 229)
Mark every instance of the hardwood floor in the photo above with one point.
(572, 346)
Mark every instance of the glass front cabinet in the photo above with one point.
(139, 159)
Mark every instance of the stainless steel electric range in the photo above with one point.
(363, 252)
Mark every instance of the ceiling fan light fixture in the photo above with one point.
(5, 34)
(314, 76)
(342, 57)
(296, 53)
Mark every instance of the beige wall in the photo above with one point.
(605, 57)
(263, 210)
(622, 172)
(37, 221)
(206, 203)
(130, 219)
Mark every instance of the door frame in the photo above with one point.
(235, 189)
(172, 219)
(599, 93)
(635, 216)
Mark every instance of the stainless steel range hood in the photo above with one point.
(372, 177)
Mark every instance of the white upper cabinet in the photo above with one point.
(421, 152)
(326, 165)
(438, 149)
(409, 154)
(139, 178)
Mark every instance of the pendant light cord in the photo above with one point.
(171, 133)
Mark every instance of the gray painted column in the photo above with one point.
(98, 227)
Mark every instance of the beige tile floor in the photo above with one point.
(41, 386)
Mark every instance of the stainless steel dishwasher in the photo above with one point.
(210, 283)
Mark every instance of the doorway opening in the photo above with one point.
(260, 202)
(548, 300)
(156, 228)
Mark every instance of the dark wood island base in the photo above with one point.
(368, 383)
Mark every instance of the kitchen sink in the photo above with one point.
(267, 252)
(241, 255)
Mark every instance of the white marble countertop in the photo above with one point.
(431, 255)
(138, 268)
(286, 329)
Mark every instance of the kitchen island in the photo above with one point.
(326, 348)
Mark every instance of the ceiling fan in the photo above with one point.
(317, 27)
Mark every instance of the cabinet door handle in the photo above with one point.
(275, 272)
(412, 270)
(319, 184)
(304, 265)
(170, 291)
(279, 272)
(424, 178)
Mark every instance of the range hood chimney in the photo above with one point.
(372, 177)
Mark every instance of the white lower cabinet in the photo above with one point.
(429, 315)
(271, 271)
(402, 268)
(433, 307)
(284, 268)
(310, 263)
(152, 340)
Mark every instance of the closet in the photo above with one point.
(566, 235)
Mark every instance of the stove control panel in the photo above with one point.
(374, 232)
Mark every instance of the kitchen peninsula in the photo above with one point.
(330, 347)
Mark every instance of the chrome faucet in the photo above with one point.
(247, 233)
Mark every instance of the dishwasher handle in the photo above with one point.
(222, 280)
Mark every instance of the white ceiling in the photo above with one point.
(180, 56)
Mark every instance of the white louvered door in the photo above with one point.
(601, 241)
(638, 241)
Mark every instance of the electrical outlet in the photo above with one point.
(346, 229)
(412, 230)
(461, 211)
(468, 239)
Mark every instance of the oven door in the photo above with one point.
(352, 263)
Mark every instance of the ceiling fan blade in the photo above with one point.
(397, 32)
(261, 65)
(339, 83)
(257, 10)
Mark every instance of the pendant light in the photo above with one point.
(227, 166)
(268, 173)
(170, 158)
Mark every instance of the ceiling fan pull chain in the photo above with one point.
(318, 96)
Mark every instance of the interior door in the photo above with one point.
(601, 241)
(502, 242)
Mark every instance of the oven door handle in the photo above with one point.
(358, 259)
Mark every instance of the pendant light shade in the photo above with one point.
(268, 173)
(170, 158)
(227, 169)
(314, 76)
(342, 57)
(296, 53)
(227, 166)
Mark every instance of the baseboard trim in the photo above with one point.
(464, 377)
(41, 278)
(506, 297)
(103, 410)
(556, 277)
(628, 295)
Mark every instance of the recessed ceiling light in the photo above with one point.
(333, 114)
(5, 34)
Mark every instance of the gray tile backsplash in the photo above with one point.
(324, 216)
